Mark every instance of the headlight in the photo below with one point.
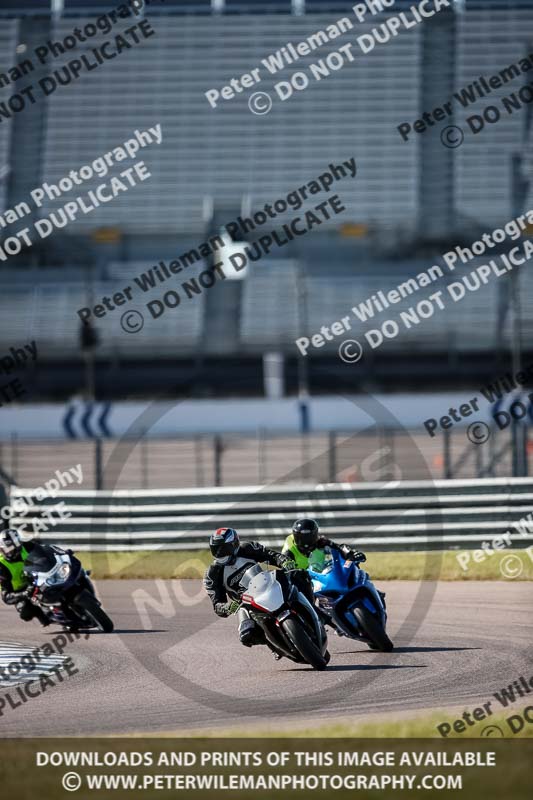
(59, 575)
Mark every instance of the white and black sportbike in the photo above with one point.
(272, 604)
(284, 615)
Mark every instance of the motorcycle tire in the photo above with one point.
(373, 630)
(89, 604)
(303, 644)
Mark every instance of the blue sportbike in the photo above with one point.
(349, 598)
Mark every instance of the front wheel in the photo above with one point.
(303, 643)
(88, 603)
(373, 629)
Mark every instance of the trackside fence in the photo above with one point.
(393, 515)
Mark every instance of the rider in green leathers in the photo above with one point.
(305, 543)
(13, 583)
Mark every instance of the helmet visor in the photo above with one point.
(306, 541)
(221, 549)
(9, 549)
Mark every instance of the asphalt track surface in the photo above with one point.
(456, 643)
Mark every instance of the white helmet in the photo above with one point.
(10, 544)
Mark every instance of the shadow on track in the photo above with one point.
(358, 667)
(432, 649)
(411, 650)
(122, 632)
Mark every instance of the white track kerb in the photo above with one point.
(29, 672)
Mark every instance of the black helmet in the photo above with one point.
(305, 533)
(224, 544)
(10, 544)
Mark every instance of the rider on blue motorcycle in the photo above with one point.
(305, 539)
(13, 581)
(305, 543)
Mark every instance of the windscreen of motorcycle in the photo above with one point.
(266, 591)
(321, 561)
(42, 558)
(43, 564)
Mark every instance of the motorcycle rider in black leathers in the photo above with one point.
(222, 578)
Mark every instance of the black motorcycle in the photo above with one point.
(63, 589)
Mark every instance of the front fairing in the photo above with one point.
(334, 575)
(52, 571)
(263, 591)
(41, 559)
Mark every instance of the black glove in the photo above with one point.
(10, 598)
(358, 557)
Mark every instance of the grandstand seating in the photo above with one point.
(270, 306)
(226, 154)
(47, 313)
(272, 315)
(8, 43)
(488, 43)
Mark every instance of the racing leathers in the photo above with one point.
(222, 584)
(291, 549)
(14, 585)
(302, 561)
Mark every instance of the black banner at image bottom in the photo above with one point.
(269, 768)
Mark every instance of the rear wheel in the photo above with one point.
(91, 608)
(373, 630)
(303, 643)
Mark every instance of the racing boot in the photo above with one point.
(42, 617)
(250, 633)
